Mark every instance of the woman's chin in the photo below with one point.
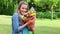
(24, 13)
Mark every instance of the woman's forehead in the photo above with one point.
(24, 5)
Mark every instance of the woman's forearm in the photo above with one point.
(24, 25)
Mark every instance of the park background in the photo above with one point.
(47, 15)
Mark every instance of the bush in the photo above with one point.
(43, 15)
(46, 14)
(54, 16)
(58, 14)
(38, 15)
(7, 11)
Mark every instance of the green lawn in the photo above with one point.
(42, 26)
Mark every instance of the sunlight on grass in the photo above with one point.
(48, 22)
(5, 19)
(5, 29)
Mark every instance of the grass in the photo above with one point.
(42, 26)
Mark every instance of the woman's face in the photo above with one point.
(23, 8)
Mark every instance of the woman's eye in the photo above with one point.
(22, 8)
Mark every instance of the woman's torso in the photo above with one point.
(24, 31)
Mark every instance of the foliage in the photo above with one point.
(43, 7)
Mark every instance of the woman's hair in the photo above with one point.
(20, 3)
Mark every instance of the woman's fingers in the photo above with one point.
(30, 21)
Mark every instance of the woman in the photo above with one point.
(18, 26)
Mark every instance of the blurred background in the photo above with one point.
(47, 15)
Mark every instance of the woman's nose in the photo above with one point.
(24, 10)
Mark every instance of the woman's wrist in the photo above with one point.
(24, 25)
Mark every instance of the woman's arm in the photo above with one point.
(15, 24)
(24, 25)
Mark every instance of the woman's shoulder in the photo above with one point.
(15, 14)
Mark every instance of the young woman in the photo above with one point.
(18, 26)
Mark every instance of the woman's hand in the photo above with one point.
(30, 21)
(24, 25)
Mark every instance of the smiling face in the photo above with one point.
(23, 9)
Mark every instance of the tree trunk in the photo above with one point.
(52, 13)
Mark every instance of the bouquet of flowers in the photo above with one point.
(30, 16)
